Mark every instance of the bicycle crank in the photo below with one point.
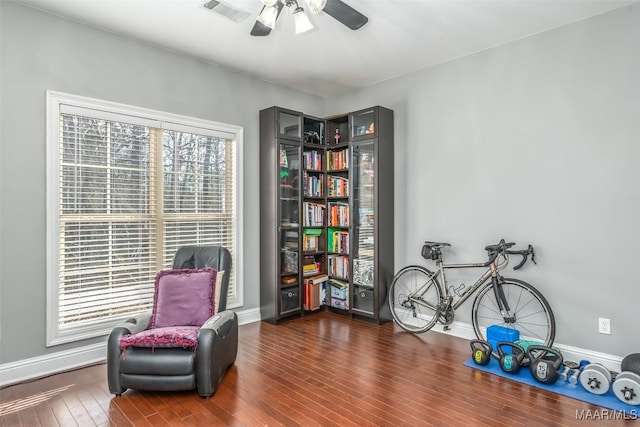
(445, 316)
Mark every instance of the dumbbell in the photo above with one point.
(595, 378)
(573, 376)
(566, 370)
(575, 369)
(564, 373)
(626, 386)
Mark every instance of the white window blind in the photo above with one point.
(128, 193)
(106, 220)
(198, 182)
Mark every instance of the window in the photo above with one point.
(126, 187)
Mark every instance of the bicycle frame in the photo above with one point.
(490, 274)
(492, 271)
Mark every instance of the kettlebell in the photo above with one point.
(481, 352)
(545, 363)
(510, 362)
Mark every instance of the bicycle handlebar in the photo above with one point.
(525, 255)
(495, 250)
(492, 258)
(503, 247)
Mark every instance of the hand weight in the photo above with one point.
(573, 376)
(563, 373)
(510, 362)
(626, 387)
(595, 378)
(481, 352)
(570, 364)
(545, 363)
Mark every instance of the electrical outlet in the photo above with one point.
(604, 326)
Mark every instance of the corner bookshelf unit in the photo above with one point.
(326, 213)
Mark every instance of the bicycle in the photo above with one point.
(418, 300)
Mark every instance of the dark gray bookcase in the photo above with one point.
(326, 213)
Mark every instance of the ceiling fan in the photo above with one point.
(337, 9)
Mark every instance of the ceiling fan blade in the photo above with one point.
(345, 14)
(261, 30)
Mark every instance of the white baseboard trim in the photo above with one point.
(248, 316)
(610, 361)
(48, 364)
(457, 329)
(53, 363)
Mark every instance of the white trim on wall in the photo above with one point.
(49, 364)
(57, 103)
(61, 361)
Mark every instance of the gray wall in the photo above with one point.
(535, 141)
(40, 52)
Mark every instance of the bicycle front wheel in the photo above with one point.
(413, 299)
(530, 312)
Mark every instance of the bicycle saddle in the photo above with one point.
(436, 244)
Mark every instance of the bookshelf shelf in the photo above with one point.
(330, 202)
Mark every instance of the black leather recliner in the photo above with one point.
(168, 369)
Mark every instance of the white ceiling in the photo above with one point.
(401, 36)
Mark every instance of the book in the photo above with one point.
(319, 278)
(314, 292)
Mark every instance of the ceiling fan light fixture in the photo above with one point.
(316, 6)
(268, 16)
(301, 21)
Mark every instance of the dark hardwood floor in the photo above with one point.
(320, 370)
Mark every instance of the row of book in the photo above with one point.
(312, 185)
(311, 239)
(339, 266)
(310, 266)
(313, 214)
(337, 160)
(313, 160)
(338, 241)
(338, 214)
(314, 292)
(337, 186)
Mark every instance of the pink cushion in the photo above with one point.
(173, 336)
(183, 298)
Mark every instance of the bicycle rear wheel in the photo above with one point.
(531, 314)
(413, 299)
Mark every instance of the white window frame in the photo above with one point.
(164, 120)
